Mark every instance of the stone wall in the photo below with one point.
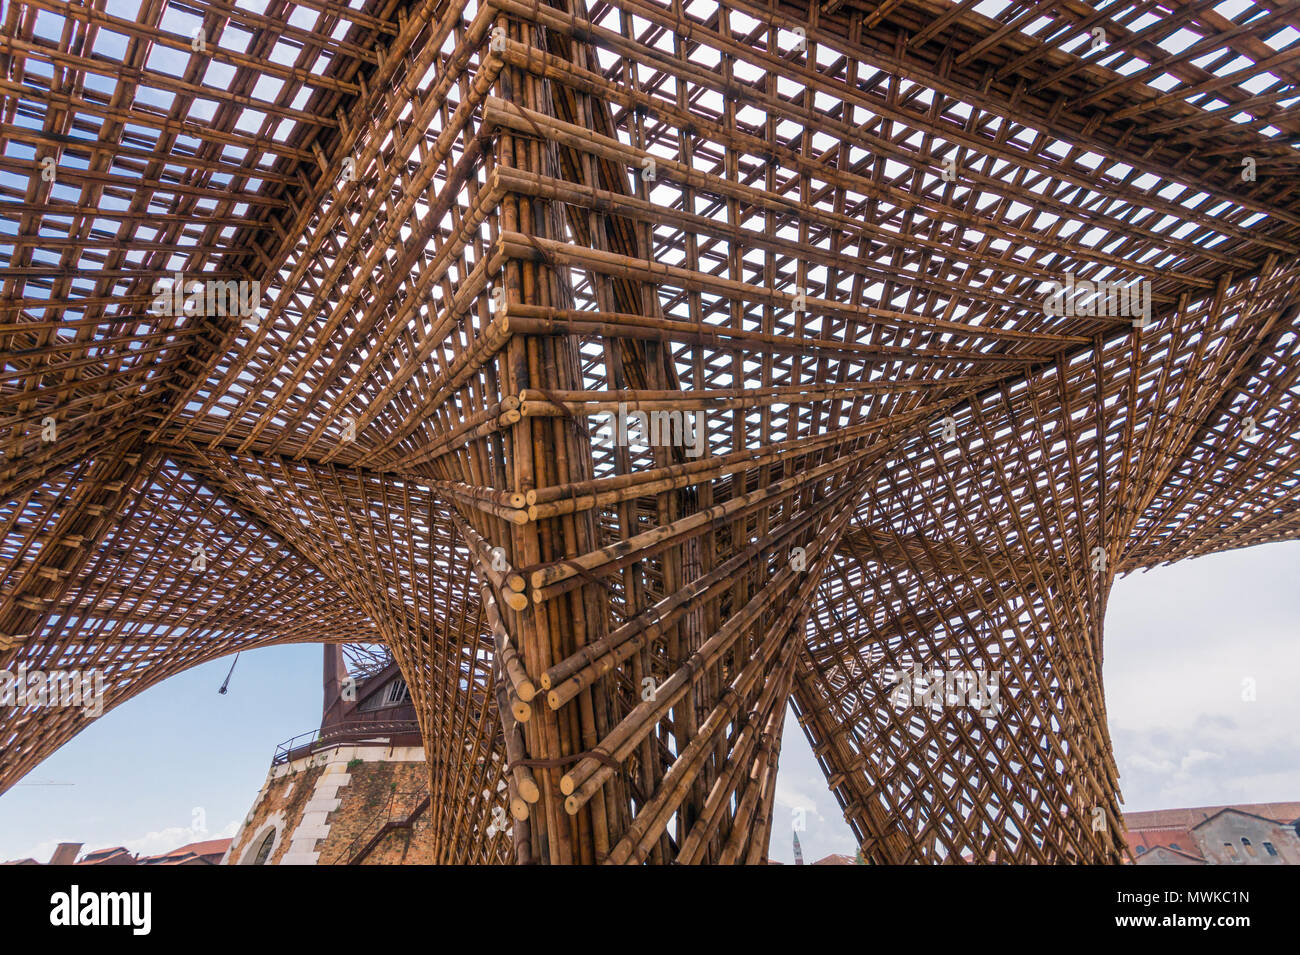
(326, 807)
(1229, 828)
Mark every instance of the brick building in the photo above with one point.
(355, 791)
(209, 852)
(1254, 834)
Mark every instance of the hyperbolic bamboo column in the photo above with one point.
(988, 591)
(546, 452)
(1032, 504)
(654, 602)
(69, 523)
(112, 598)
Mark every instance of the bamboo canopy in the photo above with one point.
(637, 372)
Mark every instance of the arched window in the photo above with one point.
(1250, 850)
(1268, 847)
(264, 850)
(259, 848)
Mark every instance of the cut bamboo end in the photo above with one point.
(523, 712)
(572, 805)
(545, 680)
(529, 790)
(563, 693)
(567, 785)
(515, 600)
(526, 690)
(518, 808)
(515, 581)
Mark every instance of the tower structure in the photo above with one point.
(355, 790)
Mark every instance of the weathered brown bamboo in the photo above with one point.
(822, 232)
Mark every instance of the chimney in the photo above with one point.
(66, 853)
(335, 672)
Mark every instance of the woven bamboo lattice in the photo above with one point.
(816, 238)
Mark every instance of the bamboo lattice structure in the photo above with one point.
(813, 240)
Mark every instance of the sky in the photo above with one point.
(181, 763)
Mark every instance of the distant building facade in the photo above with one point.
(209, 852)
(1253, 834)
